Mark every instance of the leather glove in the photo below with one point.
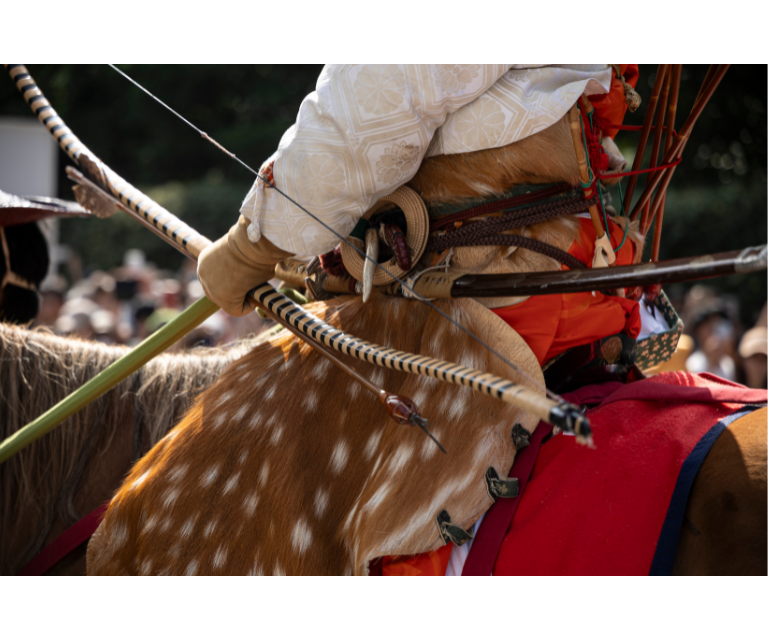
(233, 265)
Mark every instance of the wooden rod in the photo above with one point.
(657, 210)
(657, 137)
(654, 99)
(682, 138)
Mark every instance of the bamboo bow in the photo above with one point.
(297, 319)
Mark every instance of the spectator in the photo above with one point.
(714, 333)
(753, 350)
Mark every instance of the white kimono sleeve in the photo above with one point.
(366, 129)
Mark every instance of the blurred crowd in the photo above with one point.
(130, 302)
(715, 341)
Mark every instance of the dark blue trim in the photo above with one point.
(666, 547)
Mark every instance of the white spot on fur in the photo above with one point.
(151, 524)
(420, 397)
(351, 515)
(231, 483)
(146, 567)
(210, 476)
(178, 473)
(339, 457)
(487, 444)
(376, 464)
(166, 524)
(301, 537)
(373, 444)
(243, 457)
(276, 435)
(119, 536)
(139, 480)
(240, 413)
(210, 528)
(278, 570)
(219, 420)
(458, 406)
(321, 369)
(188, 527)
(353, 389)
(309, 402)
(224, 398)
(437, 337)
(264, 474)
(170, 497)
(255, 420)
(256, 568)
(249, 504)
(429, 448)
(400, 458)
(220, 558)
(270, 392)
(377, 497)
(321, 502)
(191, 568)
(377, 377)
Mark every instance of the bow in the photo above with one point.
(130, 200)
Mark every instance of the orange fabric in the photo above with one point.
(553, 324)
(611, 106)
(433, 563)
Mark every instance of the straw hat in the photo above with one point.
(416, 234)
(755, 341)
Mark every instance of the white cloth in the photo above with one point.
(366, 129)
(459, 554)
(651, 324)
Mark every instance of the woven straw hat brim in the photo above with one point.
(416, 236)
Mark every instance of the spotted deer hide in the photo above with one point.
(286, 465)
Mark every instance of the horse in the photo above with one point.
(74, 469)
(248, 482)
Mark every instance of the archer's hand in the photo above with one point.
(233, 265)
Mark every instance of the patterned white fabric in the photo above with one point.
(366, 129)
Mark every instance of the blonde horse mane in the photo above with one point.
(37, 370)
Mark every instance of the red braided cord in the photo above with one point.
(638, 127)
(639, 171)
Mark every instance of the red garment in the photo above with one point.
(612, 106)
(553, 324)
(651, 437)
(601, 511)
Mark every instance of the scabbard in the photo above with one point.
(490, 285)
(436, 284)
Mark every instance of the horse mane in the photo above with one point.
(37, 370)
